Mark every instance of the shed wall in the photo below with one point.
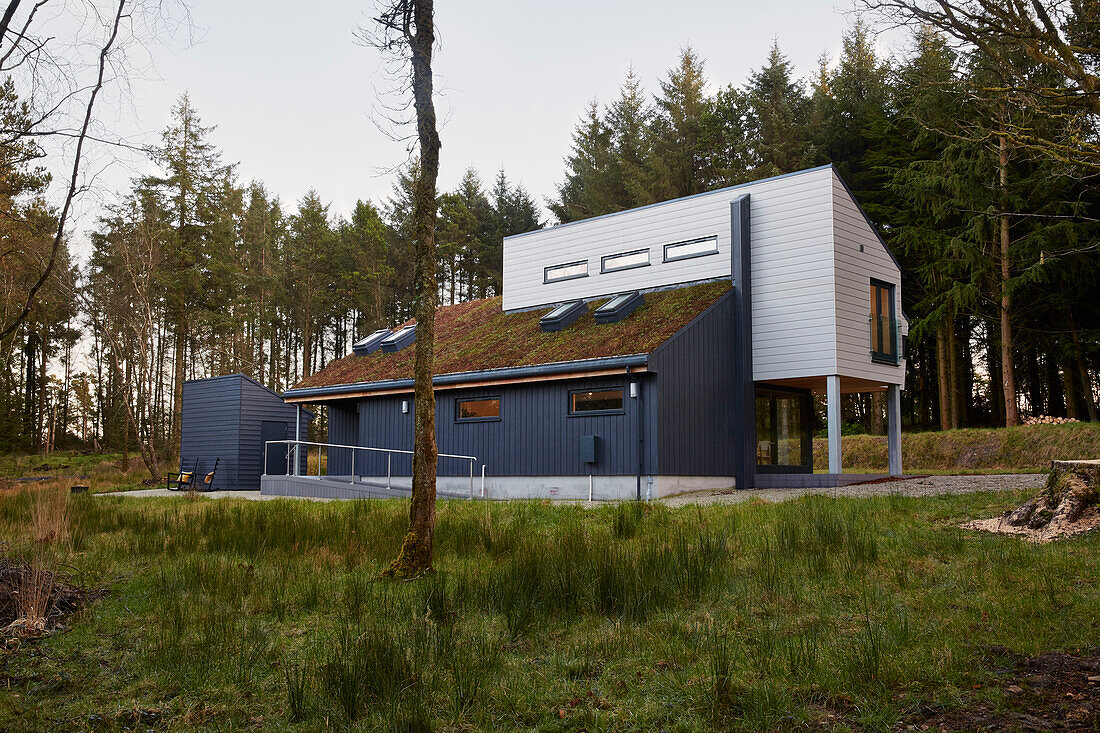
(210, 425)
(257, 404)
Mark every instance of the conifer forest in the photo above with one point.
(985, 191)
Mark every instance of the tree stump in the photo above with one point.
(1071, 488)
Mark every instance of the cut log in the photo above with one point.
(1071, 488)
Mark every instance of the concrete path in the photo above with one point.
(926, 486)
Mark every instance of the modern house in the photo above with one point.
(663, 349)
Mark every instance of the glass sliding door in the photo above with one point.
(783, 439)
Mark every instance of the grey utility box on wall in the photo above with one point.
(589, 448)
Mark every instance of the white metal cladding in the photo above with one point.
(810, 283)
(854, 271)
(793, 205)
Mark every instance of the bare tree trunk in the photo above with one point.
(953, 392)
(1083, 372)
(415, 557)
(1008, 373)
(942, 376)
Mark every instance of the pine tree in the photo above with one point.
(186, 192)
(680, 158)
(588, 171)
(628, 121)
(778, 119)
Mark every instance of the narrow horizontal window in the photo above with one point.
(568, 271)
(691, 248)
(625, 260)
(482, 408)
(604, 400)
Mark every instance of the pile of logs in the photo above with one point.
(1048, 420)
(1069, 491)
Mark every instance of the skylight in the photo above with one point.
(563, 315)
(399, 339)
(619, 307)
(371, 343)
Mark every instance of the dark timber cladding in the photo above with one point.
(225, 420)
(535, 416)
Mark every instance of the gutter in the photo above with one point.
(486, 375)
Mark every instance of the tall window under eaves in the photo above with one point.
(884, 326)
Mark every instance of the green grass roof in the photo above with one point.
(478, 335)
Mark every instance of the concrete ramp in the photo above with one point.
(341, 487)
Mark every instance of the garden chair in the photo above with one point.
(208, 482)
(184, 479)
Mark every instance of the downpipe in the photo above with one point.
(636, 390)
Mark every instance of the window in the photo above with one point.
(884, 327)
(783, 434)
(478, 409)
(619, 307)
(595, 401)
(691, 248)
(568, 271)
(563, 315)
(399, 339)
(371, 343)
(625, 261)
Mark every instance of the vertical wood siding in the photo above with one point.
(257, 403)
(854, 270)
(696, 428)
(343, 429)
(535, 436)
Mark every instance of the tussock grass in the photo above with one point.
(973, 450)
(268, 615)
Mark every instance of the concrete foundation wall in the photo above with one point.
(566, 488)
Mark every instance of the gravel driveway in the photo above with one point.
(925, 486)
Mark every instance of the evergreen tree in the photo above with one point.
(680, 158)
(589, 172)
(777, 123)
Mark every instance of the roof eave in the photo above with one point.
(562, 368)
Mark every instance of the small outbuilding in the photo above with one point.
(227, 421)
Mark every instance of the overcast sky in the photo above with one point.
(292, 94)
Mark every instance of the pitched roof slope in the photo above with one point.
(478, 335)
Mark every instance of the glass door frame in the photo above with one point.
(772, 392)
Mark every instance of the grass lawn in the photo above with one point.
(820, 613)
(1022, 449)
(98, 471)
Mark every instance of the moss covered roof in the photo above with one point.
(478, 335)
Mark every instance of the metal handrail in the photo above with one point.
(363, 447)
(389, 459)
